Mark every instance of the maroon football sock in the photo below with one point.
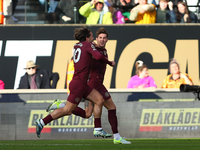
(112, 118)
(79, 112)
(97, 122)
(47, 119)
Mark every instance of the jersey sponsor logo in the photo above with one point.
(67, 123)
(179, 119)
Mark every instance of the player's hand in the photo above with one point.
(113, 63)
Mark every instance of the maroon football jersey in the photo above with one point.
(83, 52)
(99, 67)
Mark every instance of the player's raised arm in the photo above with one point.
(98, 56)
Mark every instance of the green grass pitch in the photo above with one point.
(102, 144)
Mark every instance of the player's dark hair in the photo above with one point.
(100, 31)
(82, 33)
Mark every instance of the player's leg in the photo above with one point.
(88, 108)
(87, 113)
(67, 110)
(72, 102)
(97, 98)
(112, 118)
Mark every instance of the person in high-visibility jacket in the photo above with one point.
(1, 12)
(70, 74)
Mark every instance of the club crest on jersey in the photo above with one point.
(106, 94)
(105, 53)
(77, 99)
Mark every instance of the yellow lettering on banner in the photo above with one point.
(129, 55)
(170, 117)
(111, 49)
(63, 55)
(187, 54)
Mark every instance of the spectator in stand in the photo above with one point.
(184, 15)
(175, 2)
(35, 78)
(117, 16)
(141, 80)
(69, 7)
(95, 13)
(125, 7)
(143, 13)
(2, 85)
(164, 15)
(176, 78)
(55, 13)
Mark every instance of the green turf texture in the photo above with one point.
(102, 144)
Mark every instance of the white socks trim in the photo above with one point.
(97, 129)
(117, 136)
(42, 122)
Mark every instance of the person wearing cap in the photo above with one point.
(35, 78)
(143, 13)
(176, 78)
(95, 13)
(163, 14)
(141, 80)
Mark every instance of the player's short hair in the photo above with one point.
(82, 33)
(100, 31)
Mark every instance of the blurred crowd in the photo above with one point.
(119, 11)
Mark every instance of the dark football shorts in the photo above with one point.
(96, 83)
(78, 90)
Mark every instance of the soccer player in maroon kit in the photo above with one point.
(83, 53)
(96, 81)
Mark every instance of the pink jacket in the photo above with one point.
(136, 81)
(118, 18)
(1, 84)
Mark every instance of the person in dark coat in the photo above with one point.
(35, 78)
